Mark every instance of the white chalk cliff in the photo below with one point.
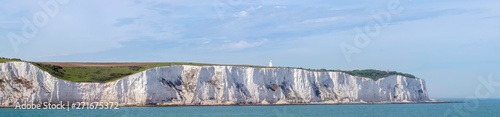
(208, 85)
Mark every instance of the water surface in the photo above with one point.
(471, 107)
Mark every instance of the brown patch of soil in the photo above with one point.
(26, 83)
(274, 86)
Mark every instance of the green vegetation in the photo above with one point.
(376, 74)
(368, 73)
(3, 60)
(88, 74)
(111, 73)
(99, 74)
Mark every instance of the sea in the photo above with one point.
(459, 108)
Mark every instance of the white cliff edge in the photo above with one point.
(22, 82)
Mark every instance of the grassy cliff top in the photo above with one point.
(377, 74)
(96, 72)
(368, 73)
(105, 72)
(3, 60)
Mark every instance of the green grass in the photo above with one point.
(107, 74)
(100, 74)
(376, 74)
(3, 60)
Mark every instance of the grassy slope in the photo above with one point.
(106, 74)
(99, 74)
(3, 60)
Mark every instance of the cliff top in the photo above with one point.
(104, 72)
(3, 59)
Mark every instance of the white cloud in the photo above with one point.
(321, 20)
(244, 13)
(280, 7)
(74, 28)
(252, 8)
(241, 14)
(242, 44)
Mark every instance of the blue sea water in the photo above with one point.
(469, 107)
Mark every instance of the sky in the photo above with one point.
(452, 44)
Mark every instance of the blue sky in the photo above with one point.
(449, 43)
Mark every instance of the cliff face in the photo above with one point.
(208, 85)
